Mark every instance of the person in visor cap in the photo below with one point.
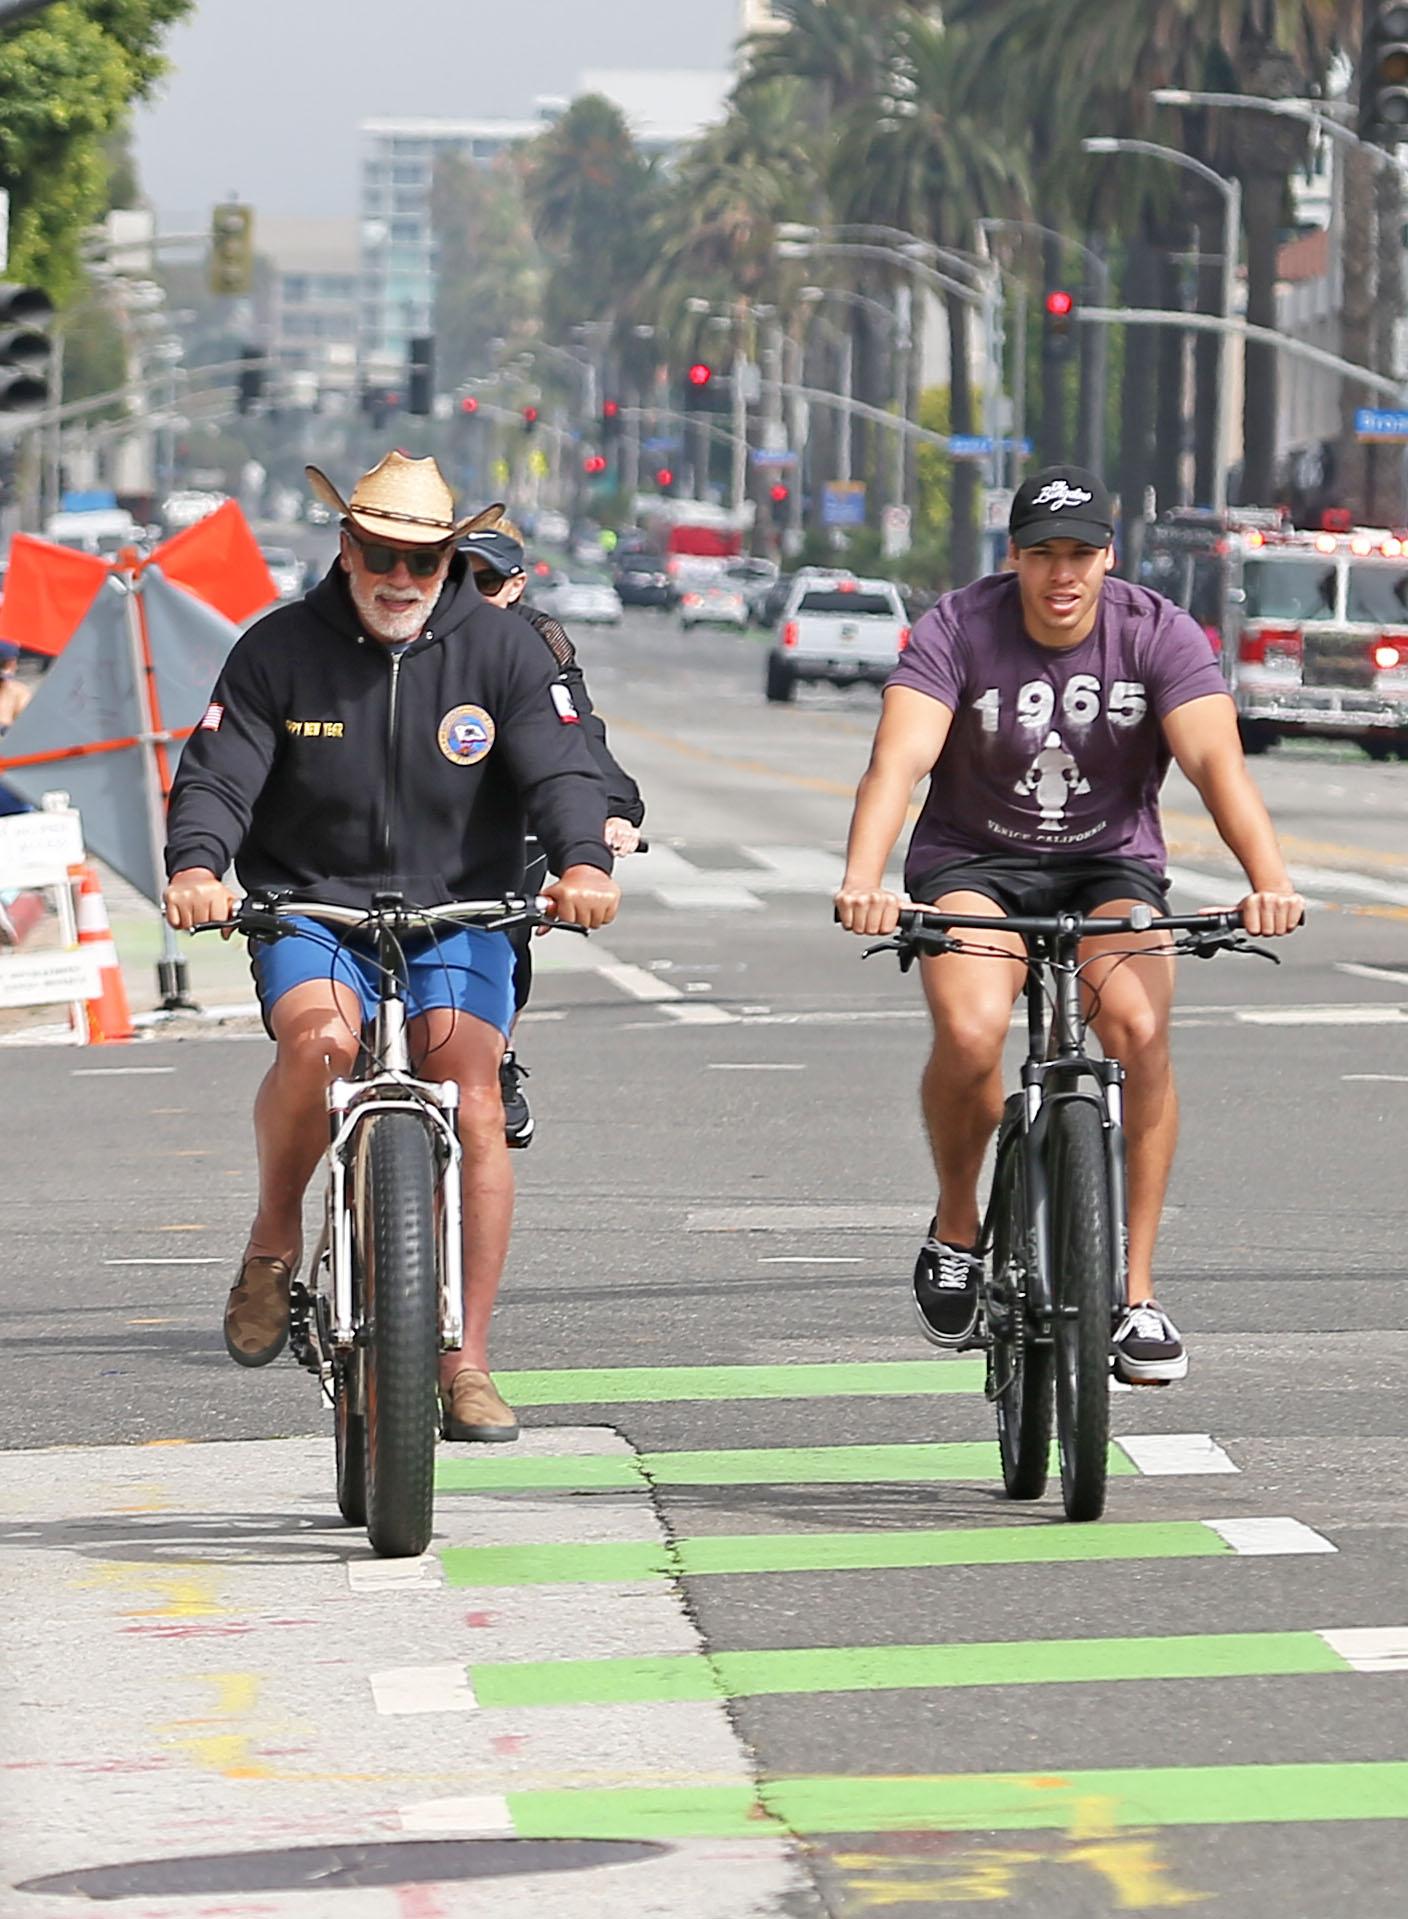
(1043, 706)
(497, 554)
(389, 732)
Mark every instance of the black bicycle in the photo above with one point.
(1056, 1222)
(385, 1293)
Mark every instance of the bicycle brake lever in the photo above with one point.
(884, 946)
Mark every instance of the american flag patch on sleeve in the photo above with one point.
(214, 713)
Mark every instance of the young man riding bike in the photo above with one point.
(496, 554)
(1043, 705)
(388, 733)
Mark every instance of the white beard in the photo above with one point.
(391, 624)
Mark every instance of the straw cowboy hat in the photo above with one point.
(406, 502)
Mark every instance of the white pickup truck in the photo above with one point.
(837, 629)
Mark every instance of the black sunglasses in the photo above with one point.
(488, 582)
(422, 562)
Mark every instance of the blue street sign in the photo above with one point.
(661, 445)
(843, 503)
(769, 456)
(1380, 423)
(969, 446)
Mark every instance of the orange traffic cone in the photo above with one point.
(109, 1016)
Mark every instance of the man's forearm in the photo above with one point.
(1244, 825)
(882, 800)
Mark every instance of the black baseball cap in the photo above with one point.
(1062, 503)
(500, 552)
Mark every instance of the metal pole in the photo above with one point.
(1231, 242)
(847, 375)
(796, 440)
(738, 484)
(171, 974)
(904, 343)
(1019, 388)
(1240, 329)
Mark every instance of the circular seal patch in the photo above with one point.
(466, 735)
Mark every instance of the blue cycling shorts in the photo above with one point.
(464, 967)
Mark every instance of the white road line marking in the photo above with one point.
(1261, 1538)
(637, 982)
(1158, 1455)
(1324, 1016)
(164, 1262)
(1365, 885)
(721, 899)
(1395, 976)
(1380, 1079)
(486, 1814)
(117, 1072)
(1371, 1648)
(809, 1259)
(1212, 890)
(443, 1688)
(753, 1066)
(699, 1013)
(395, 1575)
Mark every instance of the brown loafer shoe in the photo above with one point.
(256, 1313)
(472, 1409)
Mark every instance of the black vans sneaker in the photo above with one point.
(518, 1121)
(1147, 1347)
(946, 1280)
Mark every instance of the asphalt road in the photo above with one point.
(774, 1631)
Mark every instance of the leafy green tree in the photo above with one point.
(68, 77)
(490, 280)
(591, 195)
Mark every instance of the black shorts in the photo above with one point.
(1026, 885)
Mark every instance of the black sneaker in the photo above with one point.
(518, 1121)
(946, 1292)
(1147, 1347)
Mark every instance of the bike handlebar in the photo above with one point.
(1144, 920)
(258, 917)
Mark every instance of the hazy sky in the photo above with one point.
(265, 95)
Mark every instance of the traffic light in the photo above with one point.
(530, 419)
(779, 493)
(469, 406)
(1060, 312)
(421, 381)
(594, 465)
(665, 479)
(610, 418)
(232, 249)
(379, 403)
(24, 347)
(251, 380)
(1383, 81)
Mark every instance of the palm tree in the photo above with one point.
(590, 193)
(930, 165)
(1103, 62)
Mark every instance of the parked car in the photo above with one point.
(641, 580)
(581, 598)
(286, 570)
(837, 629)
(755, 579)
(714, 603)
(552, 528)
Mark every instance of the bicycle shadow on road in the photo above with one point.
(197, 1539)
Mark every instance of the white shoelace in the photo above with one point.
(1148, 1322)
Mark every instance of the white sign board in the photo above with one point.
(37, 849)
(896, 531)
(997, 507)
(40, 979)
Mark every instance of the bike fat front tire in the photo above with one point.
(396, 1256)
(1082, 1262)
(1020, 1368)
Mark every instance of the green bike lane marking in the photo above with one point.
(640, 1385)
(763, 1466)
(620, 1562)
(843, 1669)
(1159, 1796)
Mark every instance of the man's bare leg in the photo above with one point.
(970, 1003)
(316, 1028)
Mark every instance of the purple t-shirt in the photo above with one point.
(1051, 752)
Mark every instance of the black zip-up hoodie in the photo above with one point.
(339, 767)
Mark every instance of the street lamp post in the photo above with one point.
(1231, 191)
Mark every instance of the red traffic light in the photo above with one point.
(610, 409)
(780, 493)
(594, 463)
(700, 374)
(530, 416)
(665, 477)
(469, 404)
(1059, 304)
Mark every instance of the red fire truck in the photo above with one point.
(1312, 628)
